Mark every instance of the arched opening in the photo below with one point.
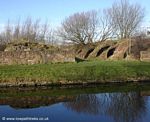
(88, 53)
(2, 47)
(125, 55)
(110, 52)
(102, 50)
(79, 60)
(79, 51)
(26, 44)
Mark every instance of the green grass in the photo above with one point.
(100, 71)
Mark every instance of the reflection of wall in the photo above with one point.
(145, 93)
(32, 102)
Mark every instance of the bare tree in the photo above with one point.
(80, 27)
(105, 30)
(51, 37)
(36, 27)
(44, 30)
(16, 33)
(28, 30)
(86, 27)
(125, 18)
(7, 32)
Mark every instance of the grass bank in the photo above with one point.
(71, 73)
(53, 91)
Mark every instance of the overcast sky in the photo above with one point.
(56, 10)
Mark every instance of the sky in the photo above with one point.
(55, 11)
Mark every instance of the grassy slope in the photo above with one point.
(86, 71)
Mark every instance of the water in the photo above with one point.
(105, 103)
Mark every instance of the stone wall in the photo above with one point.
(21, 57)
(34, 57)
(145, 56)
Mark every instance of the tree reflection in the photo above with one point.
(123, 107)
(85, 103)
(126, 107)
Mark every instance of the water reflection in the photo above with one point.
(126, 107)
(92, 104)
(33, 102)
(123, 107)
(85, 104)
